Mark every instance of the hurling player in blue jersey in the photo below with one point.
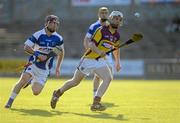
(39, 45)
(103, 13)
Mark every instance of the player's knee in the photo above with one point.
(36, 92)
(108, 78)
(36, 88)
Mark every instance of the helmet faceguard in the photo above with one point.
(112, 15)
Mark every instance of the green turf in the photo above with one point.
(128, 101)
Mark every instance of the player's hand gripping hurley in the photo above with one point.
(135, 38)
(55, 51)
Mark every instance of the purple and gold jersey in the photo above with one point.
(104, 40)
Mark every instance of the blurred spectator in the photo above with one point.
(174, 26)
(177, 56)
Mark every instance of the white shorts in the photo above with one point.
(87, 66)
(38, 75)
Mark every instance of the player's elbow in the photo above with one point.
(86, 42)
(85, 45)
(90, 45)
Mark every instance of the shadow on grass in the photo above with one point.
(37, 112)
(45, 113)
(109, 105)
(98, 114)
(102, 115)
(105, 115)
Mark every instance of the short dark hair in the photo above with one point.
(50, 18)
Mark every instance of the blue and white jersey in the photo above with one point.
(43, 43)
(92, 29)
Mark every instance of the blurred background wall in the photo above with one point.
(157, 56)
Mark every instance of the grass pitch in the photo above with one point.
(128, 101)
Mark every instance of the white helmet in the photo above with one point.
(116, 13)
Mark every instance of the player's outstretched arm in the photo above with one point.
(30, 51)
(86, 40)
(60, 58)
(116, 55)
